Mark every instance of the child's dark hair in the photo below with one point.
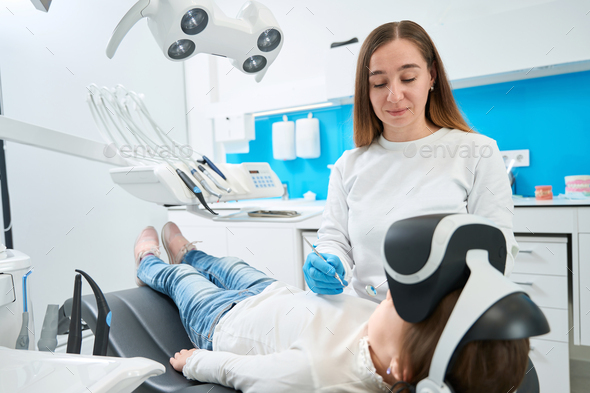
(481, 366)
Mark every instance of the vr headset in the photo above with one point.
(427, 257)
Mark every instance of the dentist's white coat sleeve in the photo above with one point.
(333, 234)
(286, 371)
(491, 197)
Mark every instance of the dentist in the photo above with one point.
(414, 155)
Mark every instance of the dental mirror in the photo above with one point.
(371, 290)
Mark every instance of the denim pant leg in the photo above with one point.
(228, 272)
(200, 302)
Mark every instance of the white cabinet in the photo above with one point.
(466, 34)
(542, 256)
(311, 236)
(541, 270)
(584, 257)
(341, 70)
(272, 248)
(584, 220)
(551, 360)
(212, 240)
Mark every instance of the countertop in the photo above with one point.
(238, 211)
(532, 202)
(231, 208)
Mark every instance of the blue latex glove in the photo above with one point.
(319, 275)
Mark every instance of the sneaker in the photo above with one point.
(146, 243)
(175, 244)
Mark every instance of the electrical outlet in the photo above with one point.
(520, 157)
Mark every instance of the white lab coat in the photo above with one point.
(371, 187)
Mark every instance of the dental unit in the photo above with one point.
(164, 177)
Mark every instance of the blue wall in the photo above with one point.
(302, 175)
(550, 116)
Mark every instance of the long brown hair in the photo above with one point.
(482, 366)
(441, 108)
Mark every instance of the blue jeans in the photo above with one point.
(204, 289)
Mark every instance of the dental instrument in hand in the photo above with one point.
(371, 290)
(321, 256)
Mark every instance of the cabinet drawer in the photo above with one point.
(544, 220)
(558, 322)
(541, 256)
(584, 308)
(546, 291)
(551, 361)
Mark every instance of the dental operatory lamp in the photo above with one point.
(427, 257)
(183, 28)
(42, 5)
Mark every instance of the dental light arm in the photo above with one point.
(427, 257)
(42, 5)
(252, 41)
(132, 16)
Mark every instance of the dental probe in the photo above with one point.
(320, 255)
(371, 290)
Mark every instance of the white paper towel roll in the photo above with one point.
(283, 140)
(307, 137)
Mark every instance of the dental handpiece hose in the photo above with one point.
(192, 186)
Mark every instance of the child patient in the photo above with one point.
(256, 334)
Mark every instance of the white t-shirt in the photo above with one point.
(288, 340)
(371, 187)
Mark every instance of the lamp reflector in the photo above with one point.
(254, 63)
(194, 21)
(268, 40)
(181, 49)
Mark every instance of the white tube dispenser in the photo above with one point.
(307, 137)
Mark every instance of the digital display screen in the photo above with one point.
(254, 171)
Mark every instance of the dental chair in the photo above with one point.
(146, 324)
(424, 258)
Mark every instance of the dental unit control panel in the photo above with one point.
(159, 184)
